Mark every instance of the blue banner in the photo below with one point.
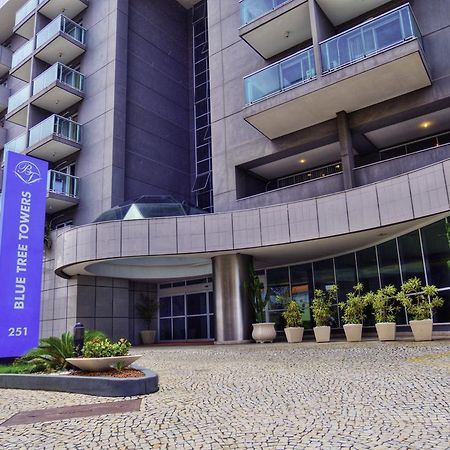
(22, 220)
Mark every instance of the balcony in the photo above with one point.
(290, 72)
(17, 106)
(25, 18)
(62, 40)
(4, 95)
(54, 139)
(62, 191)
(273, 26)
(5, 60)
(21, 62)
(53, 8)
(345, 10)
(374, 62)
(58, 88)
(17, 145)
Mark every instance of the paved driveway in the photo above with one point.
(338, 395)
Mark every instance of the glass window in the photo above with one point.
(367, 269)
(197, 327)
(212, 327)
(211, 303)
(164, 307)
(179, 329)
(345, 274)
(165, 329)
(178, 305)
(442, 314)
(278, 276)
(436, 247)
(275, 291)
(389, 265)
(301, 274)
(411, 256)
(323, 274)
(196, 303)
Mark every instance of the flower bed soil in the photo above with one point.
(125, 373)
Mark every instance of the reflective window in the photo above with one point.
(323, 274)
(411, 256)
(388, 263)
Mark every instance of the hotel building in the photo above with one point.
(189, 139)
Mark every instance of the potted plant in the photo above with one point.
(419, 302)
(102, 354)
(321, 311)
(262, 331)
(354, 313)
(385, 309)
(294, 322)
(146, 310)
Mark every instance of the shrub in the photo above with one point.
(293, 314)
(100, 348)
(51, 354)
(414, 297)
(254, 289)
(354, 306)
(384, 304)
(321, 305)
(146, 309)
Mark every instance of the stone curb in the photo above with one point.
(98, 386)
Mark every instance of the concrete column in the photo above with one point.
(346, 148)
(234, 314)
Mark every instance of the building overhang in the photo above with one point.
(180, 247)
(280, 29)
(59, 202)
(53, 148)
(70, 8)
(392, 73)
(57, 97)
(60, 48)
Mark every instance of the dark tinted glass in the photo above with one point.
(323, 273)
(442, 314)
(165, 329)
(367, 269)
(411, 256)
(301, 274)
(179, 329)
(196, 303)
(197, 327)
(389, 265)
(212, 327)
(436, 247)
(178, 305)
(278, 276)
(164, 307)
(345, 274)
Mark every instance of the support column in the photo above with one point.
(346, 148)
(234, 314)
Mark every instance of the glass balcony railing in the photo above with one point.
(18, 98)
(17, 145)
(290, 72)
(370, 38)
(55, 126)
(62, 183)
(252, 9)
(25, 10)
(64, 25)
(58, 72)
(22, 53)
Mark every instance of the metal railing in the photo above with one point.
(58, 72)
(22, 53)
(372, 37)
(55, 126)
(253, 9)
(64, 25)
(62, 183)
(24, 11)
(287, 73)
(19, 98)
(308, 175)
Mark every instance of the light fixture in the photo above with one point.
(302, 161)
(337, 166)
(426, 124)
(286, 34)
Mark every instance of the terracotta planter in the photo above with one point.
(322, 334)
(148, 336)
(264, 332)
(353, 332)
(422, 329)
(386, 331)
(294, 334)
(100, 364)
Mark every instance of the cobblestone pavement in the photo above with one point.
(299, 396)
